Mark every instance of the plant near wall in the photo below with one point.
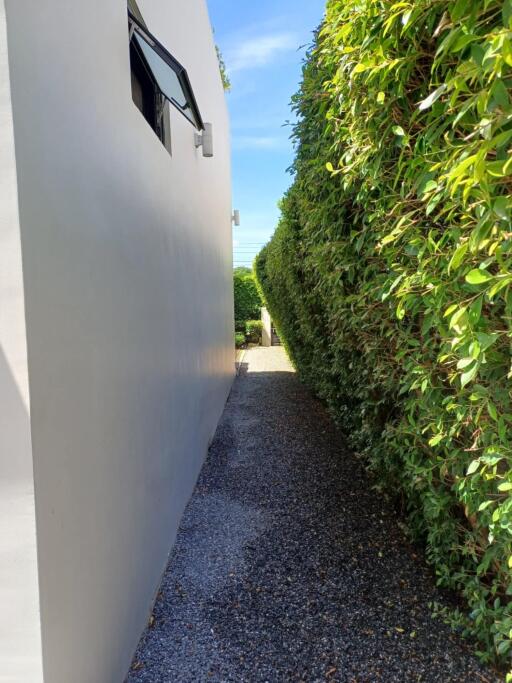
(254, 331)
(226, 81)
(389, 276)
(247, 297)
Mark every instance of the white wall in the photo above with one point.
(20, 643)
(128, 294)
(267, 328)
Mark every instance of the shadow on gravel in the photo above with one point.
(288, 567)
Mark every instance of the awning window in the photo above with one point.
(134, 9)
(170, 76)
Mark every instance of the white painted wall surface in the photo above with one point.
(266, 336)
(128, 294)
(20, 642)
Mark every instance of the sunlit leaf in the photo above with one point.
(432, 98)
(478, 277)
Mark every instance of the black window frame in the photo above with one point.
(152, 109)
(172, 63)
(134, 9)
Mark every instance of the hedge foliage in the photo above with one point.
(247, 297)
(254, 331)
(389, 276)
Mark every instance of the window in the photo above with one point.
(158, 78)
(134, 9)
(144, 93)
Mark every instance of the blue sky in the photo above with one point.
(261, 44)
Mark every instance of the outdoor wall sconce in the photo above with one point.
(235, 218)
(205, 140)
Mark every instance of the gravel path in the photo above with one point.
(287, 566)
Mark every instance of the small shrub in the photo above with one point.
(239, 340)
(240, 326)
(254, 331)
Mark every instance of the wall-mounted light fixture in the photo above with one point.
(235, 218)
(205, 140)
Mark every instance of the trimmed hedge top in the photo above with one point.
(389, 276)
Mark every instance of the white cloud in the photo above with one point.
(259, 51)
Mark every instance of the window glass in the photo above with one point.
(169, 76)
(166, 78)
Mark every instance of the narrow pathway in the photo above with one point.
(288, 567)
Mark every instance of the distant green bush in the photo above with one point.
(254, 330)
(247, 297)
(239, 340)
(240, 326)
(389, 276)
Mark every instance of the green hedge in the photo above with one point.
(247, 298)
(389, 275)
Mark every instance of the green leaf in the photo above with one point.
(486, 340)
(475, 349)
(398, 130)
(406, 16)
(475, 311)
(361, 67)
(458, 256)
(505, 487)
(507, 14)
(501, 208)
(457, 317)
(464, 41)
(429, 187)
(491, 408)
(469, 374)
(504, 647)
(499, 286)
(435, 440)
(473, 467)
(381, 97)
(433, 97)
(478, 277)
(500, 93)
(458, 10)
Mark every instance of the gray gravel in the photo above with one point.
(287, 566)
